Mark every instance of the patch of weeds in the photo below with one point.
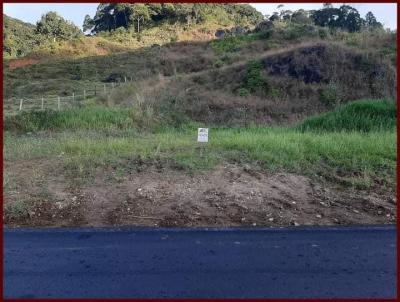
(330, 95)
(254, 80)
(274, 92)
(243, 92)
(363, 115)
(218, 63)
(232, 44)
(17, 210)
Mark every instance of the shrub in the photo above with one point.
(243, 92)
(330, 96)
(254, 79)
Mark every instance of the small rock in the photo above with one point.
(379, 212)
(254, 224)
(293, 202)
(243, 218)
(355, 211)
(318, 216)
(271, 219)
(296, 224)
(128, 209)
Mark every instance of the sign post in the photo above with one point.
(202, 137)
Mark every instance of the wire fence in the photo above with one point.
(57, 102)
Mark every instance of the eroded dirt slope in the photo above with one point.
(155, 195)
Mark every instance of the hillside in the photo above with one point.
(163, 23)
(19, 38)
(275, 76)
(101, 130)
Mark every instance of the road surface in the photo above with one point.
(318, 262)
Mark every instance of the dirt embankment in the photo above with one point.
(230, 195)
(16, 63)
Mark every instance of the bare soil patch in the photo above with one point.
(16, 63)
(149, 194)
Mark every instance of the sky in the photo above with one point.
(385, 13)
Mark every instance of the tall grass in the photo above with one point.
(271, 147)
(363, 115)
(95, 118)
(358, 138)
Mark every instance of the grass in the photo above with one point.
(89, 118)
(357, 139)
(364, 116)
(273, 148)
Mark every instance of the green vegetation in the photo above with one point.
(54, 27)
(100, 136)
(17, 210)
(273, 148)
(231, 44)
(112, 16)
(19, 38)
(363, 116)
(344, 17)
(261, 73)
(89, 118)
(254, 79)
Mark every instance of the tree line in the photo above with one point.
(19, 38)
(344, 17)
(110, 16)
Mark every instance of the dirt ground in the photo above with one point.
(16, 63)
(155, 195)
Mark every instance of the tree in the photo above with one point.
(371, 22)
(110, 16)
(345, 17)
(88, 24)
(326, 16)
(349, 18)
(139, 13)
(301, 16)
(274, 17)
(53, 26)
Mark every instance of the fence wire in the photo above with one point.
(14, 105)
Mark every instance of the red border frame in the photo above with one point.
(204, 1)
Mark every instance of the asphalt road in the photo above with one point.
(241, 263)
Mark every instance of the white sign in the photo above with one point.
(202, 135)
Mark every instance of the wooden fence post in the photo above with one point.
(125, 79)
(84, 94)
(73, 97)
(58, 103)
(20, 105)
(105, 91)
(42, 103)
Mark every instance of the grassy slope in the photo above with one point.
(100, 136)
(362, 116)
(71, 66)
